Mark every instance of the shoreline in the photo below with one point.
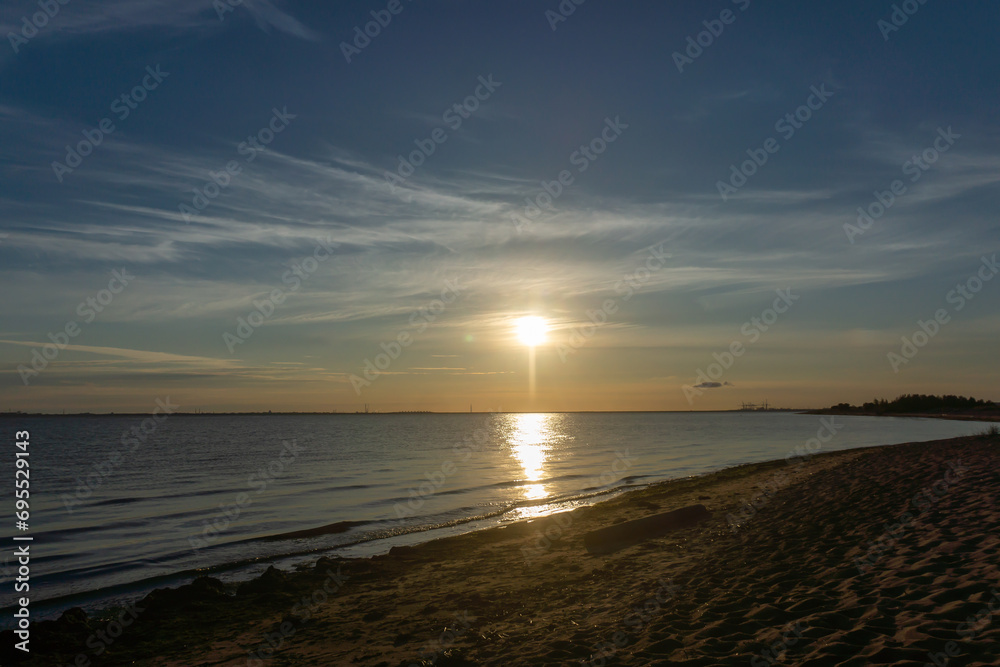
(386, 610)
(953, 416)
(235, 571)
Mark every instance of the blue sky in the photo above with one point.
(322, 177)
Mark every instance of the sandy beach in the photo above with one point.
(887, 555)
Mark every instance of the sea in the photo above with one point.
(123, 504)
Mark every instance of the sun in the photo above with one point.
(531, 330)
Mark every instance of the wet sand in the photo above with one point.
(887, 555)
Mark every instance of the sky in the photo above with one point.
(314, 206)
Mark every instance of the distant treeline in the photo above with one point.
(919, 403)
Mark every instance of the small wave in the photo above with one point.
(506, 484)
(117, 501)
(329, 529)
(374, 534)
(195, 494)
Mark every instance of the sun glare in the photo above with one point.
(531, 330)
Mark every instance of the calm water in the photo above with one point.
(220, 494)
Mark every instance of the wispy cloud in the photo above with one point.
(86, 19)
(142, 356)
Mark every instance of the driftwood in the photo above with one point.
(621, 535)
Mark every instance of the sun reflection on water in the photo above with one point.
(531, 438)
